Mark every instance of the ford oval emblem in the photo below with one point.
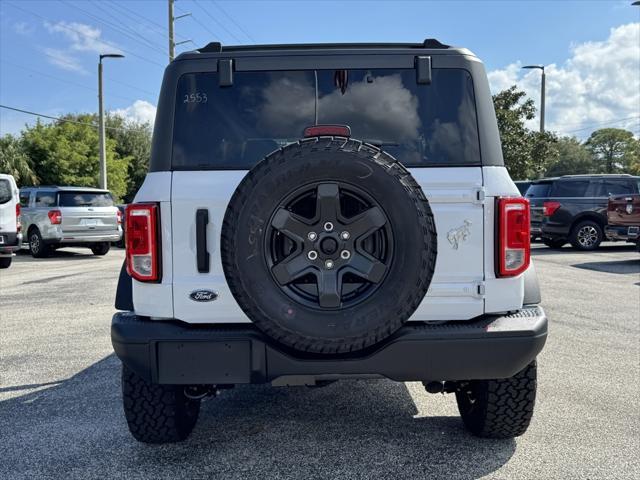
(203, 295)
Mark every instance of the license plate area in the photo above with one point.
(633, 231)
(184, 362)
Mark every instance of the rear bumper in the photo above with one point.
(171, 352)
(622, 232)
(90, 238)
(10, 242)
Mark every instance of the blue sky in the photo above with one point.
(49, 49)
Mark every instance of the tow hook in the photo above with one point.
(441, 387)
(198, 392)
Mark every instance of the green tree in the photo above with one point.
(573, 158)
(613, 150)
(66, 153)
(133, 141)
(526, 153)
(14, 161)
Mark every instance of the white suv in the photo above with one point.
(324, 212)
(10, 228)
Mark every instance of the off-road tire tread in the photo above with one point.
(504, 406)
(366, 152)
(157, 413)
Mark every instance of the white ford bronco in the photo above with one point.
(323, 212)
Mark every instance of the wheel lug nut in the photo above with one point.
(328, 264)
(328, 226)
(345, 254)
(345, 235)
(312, 236)
(312, 255)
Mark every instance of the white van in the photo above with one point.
(10, 234)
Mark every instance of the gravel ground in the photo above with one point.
(61, 415)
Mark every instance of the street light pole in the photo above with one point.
(103, 147)
(542, 93)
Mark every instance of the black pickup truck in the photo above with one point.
(573, 208)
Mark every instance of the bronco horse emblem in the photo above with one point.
(458, 235)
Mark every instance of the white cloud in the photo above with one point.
(598, 86)
(140, 111)
(23, 28)
(84, 38)
(62, 59)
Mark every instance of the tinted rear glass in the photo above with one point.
(85, 199)
(45, 199)
(24, 198)
(571, 188)
(538, 190)
(5, 190)
(235, 127)
(612, 187)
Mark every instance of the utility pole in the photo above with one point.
(542, 93)
(172, 42)
(103, 145)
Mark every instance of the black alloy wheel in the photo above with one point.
(329, 245)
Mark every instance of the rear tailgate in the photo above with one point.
(87, 212)
(89, 219)
(624, 210)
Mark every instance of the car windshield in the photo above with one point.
(537, 190)
(85, 199)
(235, 127)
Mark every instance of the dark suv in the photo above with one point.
(573, 208)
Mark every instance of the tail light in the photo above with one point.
(514, 241)
(119, 217)
(55, 217)
(18, 222)
(549, 208)
(143, 262)
(327, 130)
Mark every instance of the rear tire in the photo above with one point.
(101, 248)
(499, 408)
(554, 243)
(5, 262)
(157, 413)
(37, 247)
(586, 236)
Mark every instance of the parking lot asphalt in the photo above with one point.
(61, 414)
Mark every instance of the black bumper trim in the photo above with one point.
(172, 352)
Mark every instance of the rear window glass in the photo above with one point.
(24, 199)
(5, 190)
(235, 127)
(573, 188)
(45, 199)
(617, 188)
(537, 190)
(85, 199)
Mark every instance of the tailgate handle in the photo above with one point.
(202, 220)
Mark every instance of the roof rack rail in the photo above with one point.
(216, 47)
(433, 43)
(211, 47)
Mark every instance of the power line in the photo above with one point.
(63, 80)
(66, 27)
(603, 123)
(144, 42)
(127, 27)
(195, 19)
(124, 129)
(233, 21)
(216, 21)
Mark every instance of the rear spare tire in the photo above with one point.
(328, 245)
